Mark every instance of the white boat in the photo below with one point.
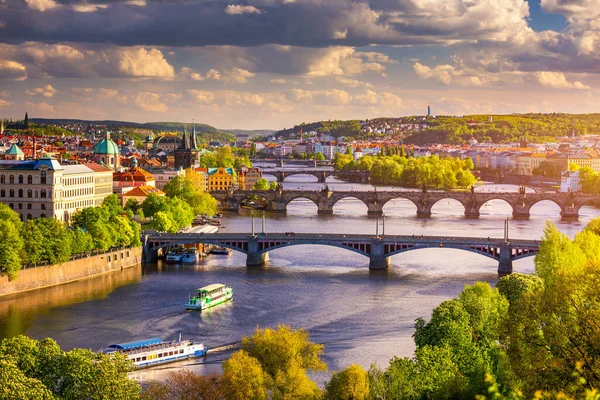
(209, 296)
(220, 250)
(173, 257)
(155, 351)
(190, 257)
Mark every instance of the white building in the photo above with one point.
(570, 182)
(44, 188)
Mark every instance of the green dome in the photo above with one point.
(106, 146)
(14, 150)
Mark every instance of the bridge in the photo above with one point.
(521, 203)
(321, 175)
(379, 249)
(281, 162)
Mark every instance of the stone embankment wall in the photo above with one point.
(87, 267)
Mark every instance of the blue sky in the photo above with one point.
(275, 63)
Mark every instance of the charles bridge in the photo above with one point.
(521, 203)
(321, 175)
(377, 248)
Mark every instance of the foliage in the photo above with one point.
(189, 189)
(10, 248)
(185, 384)
(547, 169)
(261, 184)
(225, 157)
(244, 377)
(319, 156)
(41, 370)
(432, 171)
(351, 383)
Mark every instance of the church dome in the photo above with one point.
(106, 146)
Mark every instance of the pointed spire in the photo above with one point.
(184, 140)
(193, 144)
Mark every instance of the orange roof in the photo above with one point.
(143, 191)
(97, 167)
(133, 175)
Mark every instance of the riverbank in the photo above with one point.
(82, 268)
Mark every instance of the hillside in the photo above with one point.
(458, 130)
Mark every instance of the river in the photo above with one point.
(360, 316)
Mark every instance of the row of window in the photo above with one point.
(21, 179)
(29, 216)
(78, 181)
(30, 193)
(160, 355)
(20, 206)
(77, 192)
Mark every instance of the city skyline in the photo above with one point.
(272, 64)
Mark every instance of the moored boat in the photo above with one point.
(220, 250)
(209, 296)
(190, 257)
(173, 257)
(155, 351)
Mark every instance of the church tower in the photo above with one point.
(185, 155)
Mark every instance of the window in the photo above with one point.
(20, 192)
(12, 193)
(108, 258)
(20, 206)
(11, 205)
(43, 178)
(43, 206)
(2, 193)
(21, 179)
(12, 179)
(29, 179)
(29, 216)
(29, 206)
(43, 194)
(43, 215)
(2, 179)
(29, 193)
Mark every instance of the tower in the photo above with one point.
(429, 111)
(185, 155)
(193, 143)
(26, 121)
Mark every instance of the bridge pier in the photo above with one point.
(569, 213)
(256, 259)
(472, 210)
(377, 258)
(277, 206)
(505, 265)
(423, 211)
(148, 254)
(374, 209)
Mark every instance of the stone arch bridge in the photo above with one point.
(325, 200)
(321, 175)
(379, 249)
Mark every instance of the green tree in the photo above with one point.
(113, 204)
(57, 240)
(273, 186)
(33, 243)
(7, 214)
(134, 206)
(185, 384)
(10, 248)
(15, 385)
(351, 383)
(153, 204)
(319, 156)
(261, 184)
(162, 222)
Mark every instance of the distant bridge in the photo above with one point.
(321, 175)
(379, 249)
(281, 162)
(521, 203)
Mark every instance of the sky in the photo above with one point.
(272, 64)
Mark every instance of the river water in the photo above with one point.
(360, 316)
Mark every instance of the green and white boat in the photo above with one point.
(210, 296)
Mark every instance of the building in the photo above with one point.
(132, 177)
(140, 193)
(107, 153)
(202, 178)
(164, 175)
(44, 188)
(186, 155)
(103, 182)
(562, 161)
(14, 153)
(248, 177)
(570, 182)
(220, 178)
(358, 153)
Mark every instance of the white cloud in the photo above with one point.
(41, 5)
(144, 63)
(12, 70)
(189, 73)
(88, 8)
(4, 103)
(279, 81)
(557, 80)
(353, 83)
(46, 91)
(343, 61)
(213, 74)
(43, 107)
(239, 10)
(238, 75)
(340, 34)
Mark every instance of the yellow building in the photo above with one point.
(248, 178)
(220, 178)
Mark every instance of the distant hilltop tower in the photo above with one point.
(429, 111)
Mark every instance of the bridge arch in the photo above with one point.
(489, 202)
(336, 200)
(548, 202)
(491, 254)
(296, 201)
(286, 175)
(318, 243)
(200, 241)
(253, 197)
(439, 203)
(400, 196)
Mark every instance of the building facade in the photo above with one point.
(220, 178)
(248, 177)
(44, 188)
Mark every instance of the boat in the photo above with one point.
(155, 351)
(190, 257)
(220, 250)
(173, 257)
(209, 296)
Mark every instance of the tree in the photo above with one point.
(42, 367)
(162, 222)
(319, 156)
(33, 243)
(10, 249)
(57, 241)
(261, 184)
(17, 386)
(351, 383)
(185, 384)
(244, 377)
(286, 356)
(113, 204)
(153, 204)
(273, 186)
(7, 214)
(134, 206)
